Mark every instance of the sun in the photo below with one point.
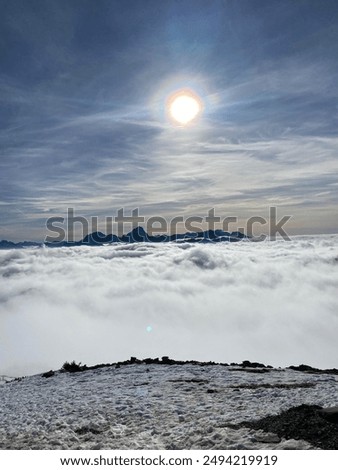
(184, 106)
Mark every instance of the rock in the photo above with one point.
(166, 360)
(268, 438)
(93, 429)
(148, 360)
(252, 364)
(303, 368)
(330, 414)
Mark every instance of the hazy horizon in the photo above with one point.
(79, 238)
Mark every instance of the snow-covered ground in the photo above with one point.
(154, 407)
(272, 302)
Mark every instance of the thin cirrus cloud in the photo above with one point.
(84, 122)
(202, 302)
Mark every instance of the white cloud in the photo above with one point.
(274, 302)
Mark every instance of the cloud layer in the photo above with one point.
(274, 302)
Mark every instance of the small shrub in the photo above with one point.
(48, 374)
(73, 367)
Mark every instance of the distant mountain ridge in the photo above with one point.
(25, 244)
(138, 235)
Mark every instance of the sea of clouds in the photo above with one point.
(273, 302)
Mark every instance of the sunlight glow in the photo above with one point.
(184, 106)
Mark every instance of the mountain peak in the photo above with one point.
(139, 230)
(138, 234)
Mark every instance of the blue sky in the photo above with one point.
(83, 88)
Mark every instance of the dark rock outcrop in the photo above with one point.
(330, 414)
(313, 370)
(305, 422)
